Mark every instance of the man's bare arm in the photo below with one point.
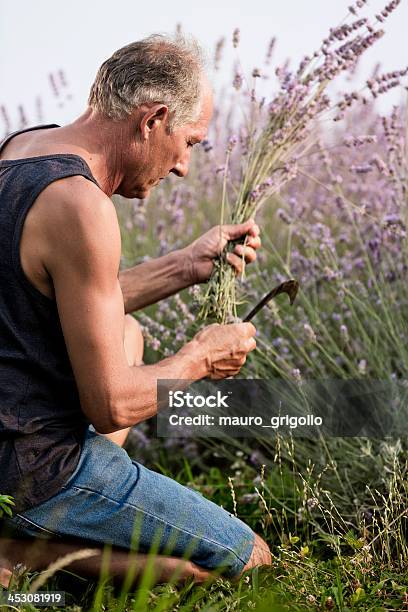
(82, 256)
(154, 280)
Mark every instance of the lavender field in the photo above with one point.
(326, 176)
(325, 173)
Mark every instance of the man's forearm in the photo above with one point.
(154, 280)
(134, 396)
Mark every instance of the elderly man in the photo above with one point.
(72, 376)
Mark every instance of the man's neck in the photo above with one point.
(101, 143)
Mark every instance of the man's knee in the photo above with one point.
(133, 340)
(261, 555)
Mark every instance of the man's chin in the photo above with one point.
(139, 194)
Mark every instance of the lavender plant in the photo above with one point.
(275, 137)
(349, 251)
(339, 227)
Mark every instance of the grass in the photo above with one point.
(335, 517)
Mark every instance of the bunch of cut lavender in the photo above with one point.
(279, 133)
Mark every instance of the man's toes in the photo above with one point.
(5, 575)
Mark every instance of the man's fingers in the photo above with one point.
(220, 375)
(254, 242)
(233, 366)
(247, 327)
(254, 230)
(251, 344)
(236, 262)
(229, 366)
(230, 369)
(240, 229)
(236, 259)
(250, 328)
(247, 251)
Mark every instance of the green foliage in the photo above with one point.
(6, 501)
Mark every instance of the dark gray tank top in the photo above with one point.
(41, 422)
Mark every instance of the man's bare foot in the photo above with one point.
(5, 574)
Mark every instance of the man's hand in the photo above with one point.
(202, 252)
(225, 348)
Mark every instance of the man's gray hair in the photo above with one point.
(161, 68)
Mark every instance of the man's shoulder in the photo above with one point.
(74, 200)
(75, 216)
(74, 189)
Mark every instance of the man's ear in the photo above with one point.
(156, 116)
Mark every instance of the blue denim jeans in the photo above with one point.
(111, 499)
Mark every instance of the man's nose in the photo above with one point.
(181, 168)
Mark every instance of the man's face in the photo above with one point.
(162, 153)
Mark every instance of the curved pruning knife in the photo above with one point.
(290, 287)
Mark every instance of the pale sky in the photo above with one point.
(39, 37)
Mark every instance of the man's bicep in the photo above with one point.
(84, 269)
